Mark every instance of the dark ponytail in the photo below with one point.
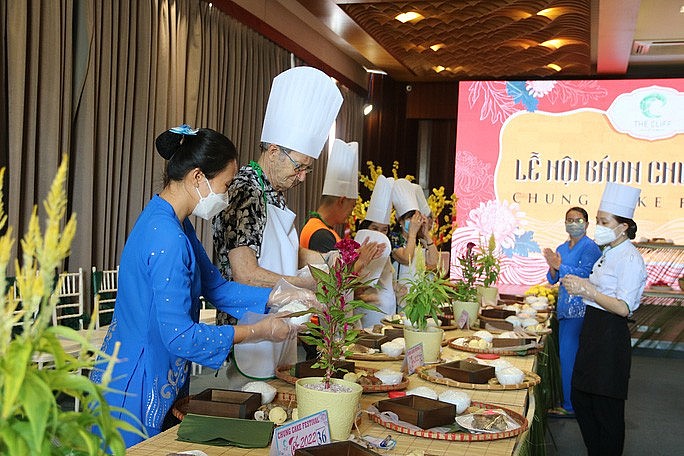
(206, 149)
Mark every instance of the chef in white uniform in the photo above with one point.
(255, 238)
(375, 227)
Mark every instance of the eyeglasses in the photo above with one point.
(298, 167)
(575, 220)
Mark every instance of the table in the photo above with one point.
(517, 400)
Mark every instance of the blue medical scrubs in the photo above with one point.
(570, 310)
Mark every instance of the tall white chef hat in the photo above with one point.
(380, 205)
(404, 197)
(302, 107)
(342, 172)
(620, 200)
(423, 206)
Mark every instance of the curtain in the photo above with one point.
(38, 74)
(99, 81)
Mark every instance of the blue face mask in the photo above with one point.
(575, 229)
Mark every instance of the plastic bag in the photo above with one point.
(259, 360)
(286, 297)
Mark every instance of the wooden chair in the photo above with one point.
(105, 286)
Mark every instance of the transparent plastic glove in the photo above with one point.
(273, 327)
(579, 286)
(307, 280)
(285, 293)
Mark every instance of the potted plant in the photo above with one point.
(32, 421)
(427, 292)
(466, 304)
(331, 332)
(490, 266)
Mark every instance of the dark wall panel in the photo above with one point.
(438, 100)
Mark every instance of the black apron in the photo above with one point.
(604, 355)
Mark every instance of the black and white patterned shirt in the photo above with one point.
(242, 223)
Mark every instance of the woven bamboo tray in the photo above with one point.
(485, 320)
(523, 350)
(430, 374)
(462, 436)
(374, 357)
(401, 325)
(284, 374)
(180, 407)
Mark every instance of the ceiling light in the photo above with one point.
(553, 13)
(438, 68)
(437, 47)
(681, 9)
(374, 71)
(553, 66)
(367, 108)
(553, 44)
(410, 16)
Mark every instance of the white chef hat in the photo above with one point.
(404, 197)
(620, 200)
(423, 206)
(342, 172)
(302, 107)
(380, 205)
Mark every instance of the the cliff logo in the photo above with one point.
(648, 113)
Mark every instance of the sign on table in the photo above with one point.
(309, 431)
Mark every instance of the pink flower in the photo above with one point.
(348, 250)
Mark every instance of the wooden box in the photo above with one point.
(466, 372)
(497, 313)
(496, 325)
(421, 411)
(393, 333)
(345, 448)
(372, 340)
(304, 369)
(446, 320)
(498, 342)
(227, 403)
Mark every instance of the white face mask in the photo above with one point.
(604, 235)
(210, 205)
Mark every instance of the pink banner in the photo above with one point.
(527, 151)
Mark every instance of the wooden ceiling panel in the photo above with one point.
(507, 39)
(481, 38)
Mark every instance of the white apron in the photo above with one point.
(386, 299)
(279, 253)
(381, 275)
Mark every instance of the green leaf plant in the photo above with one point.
(428, 292)
(334, 325)
(31, 419)
(489, 263)
(466, 288)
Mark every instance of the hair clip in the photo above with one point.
(185, 130)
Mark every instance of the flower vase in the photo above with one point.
(341, 405)
(431, 339)
(488, 296)
(470, 308)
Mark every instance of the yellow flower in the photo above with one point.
(443, 209)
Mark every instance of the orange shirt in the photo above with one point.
(314, 224)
